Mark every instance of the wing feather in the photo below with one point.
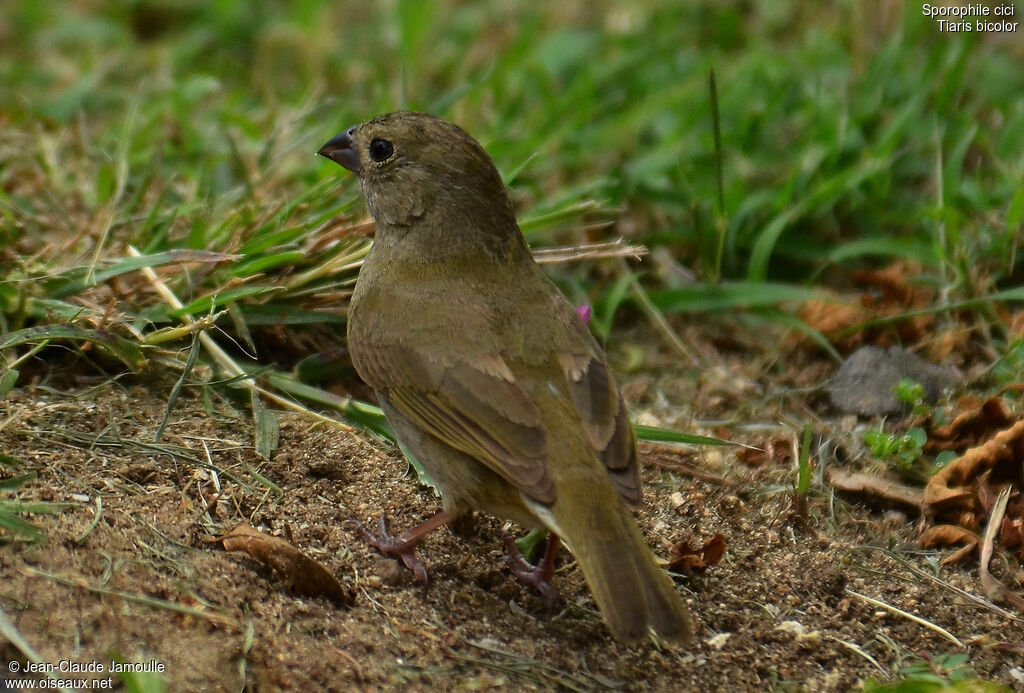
(480, 411)
(606, 420)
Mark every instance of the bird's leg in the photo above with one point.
(537, 575)
(404, 545)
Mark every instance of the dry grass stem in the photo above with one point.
(81, 583)
(993, 588)
(222, 358)
(589, 251)
(907, 615)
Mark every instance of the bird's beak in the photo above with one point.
(341, 150)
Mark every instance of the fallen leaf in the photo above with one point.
(303, 575)
(994, 589)
(1011, 534)
(878, 487)
(961, 554)
(832, 317)
(947, 535)
(954, 485)
(685, 559)
(1015, 321)
(890, 293)
(950, 535)
(970, 427)
(1011, 529)
(946, 341)
(777, 450)
(891, 282)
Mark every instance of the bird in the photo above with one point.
(486, 373)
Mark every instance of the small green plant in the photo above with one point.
(13, 526)
(952, 673)
(911, 393)
(903, 453)
(900, 452)
(805, 467)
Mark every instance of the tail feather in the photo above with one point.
(632, 591)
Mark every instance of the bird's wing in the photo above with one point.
(476, 408)
(603, 411)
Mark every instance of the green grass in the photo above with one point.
(178, 137)
(13, 525)
(186, 129)
(949, 673)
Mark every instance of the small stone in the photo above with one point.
(794, 627)
(718, 641)
(326, 468)
(864, 383)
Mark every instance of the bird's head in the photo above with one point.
(414, 167)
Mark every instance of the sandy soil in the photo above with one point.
(144, 580)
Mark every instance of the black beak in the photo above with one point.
(341, 150)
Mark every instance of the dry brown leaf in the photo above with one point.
(1011, 533)
(1011, 529)
(893, 285)
(877, 487)
(1012, 387)
(1014, 321)
(946, 342)
(778, 450)
(304, 576)
(954, 486)
(995, 589)
(947, 535)
(832, 317)
(970, 427)
(684, 559)
(891, 293)
(987, 493)
(961, 554)
(950, 535)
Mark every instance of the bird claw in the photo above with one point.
(403, 545)
(539, 576)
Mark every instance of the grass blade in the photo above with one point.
(655, 434)
(727, 296)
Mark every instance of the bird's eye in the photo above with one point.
(381, 150)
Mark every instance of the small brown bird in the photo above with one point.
(487, 375)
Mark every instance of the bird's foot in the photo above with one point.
(537, 575)
(403, 545)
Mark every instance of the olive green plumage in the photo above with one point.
(485, 371)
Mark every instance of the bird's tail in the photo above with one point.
(632, 591)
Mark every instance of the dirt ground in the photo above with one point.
(131, 569)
